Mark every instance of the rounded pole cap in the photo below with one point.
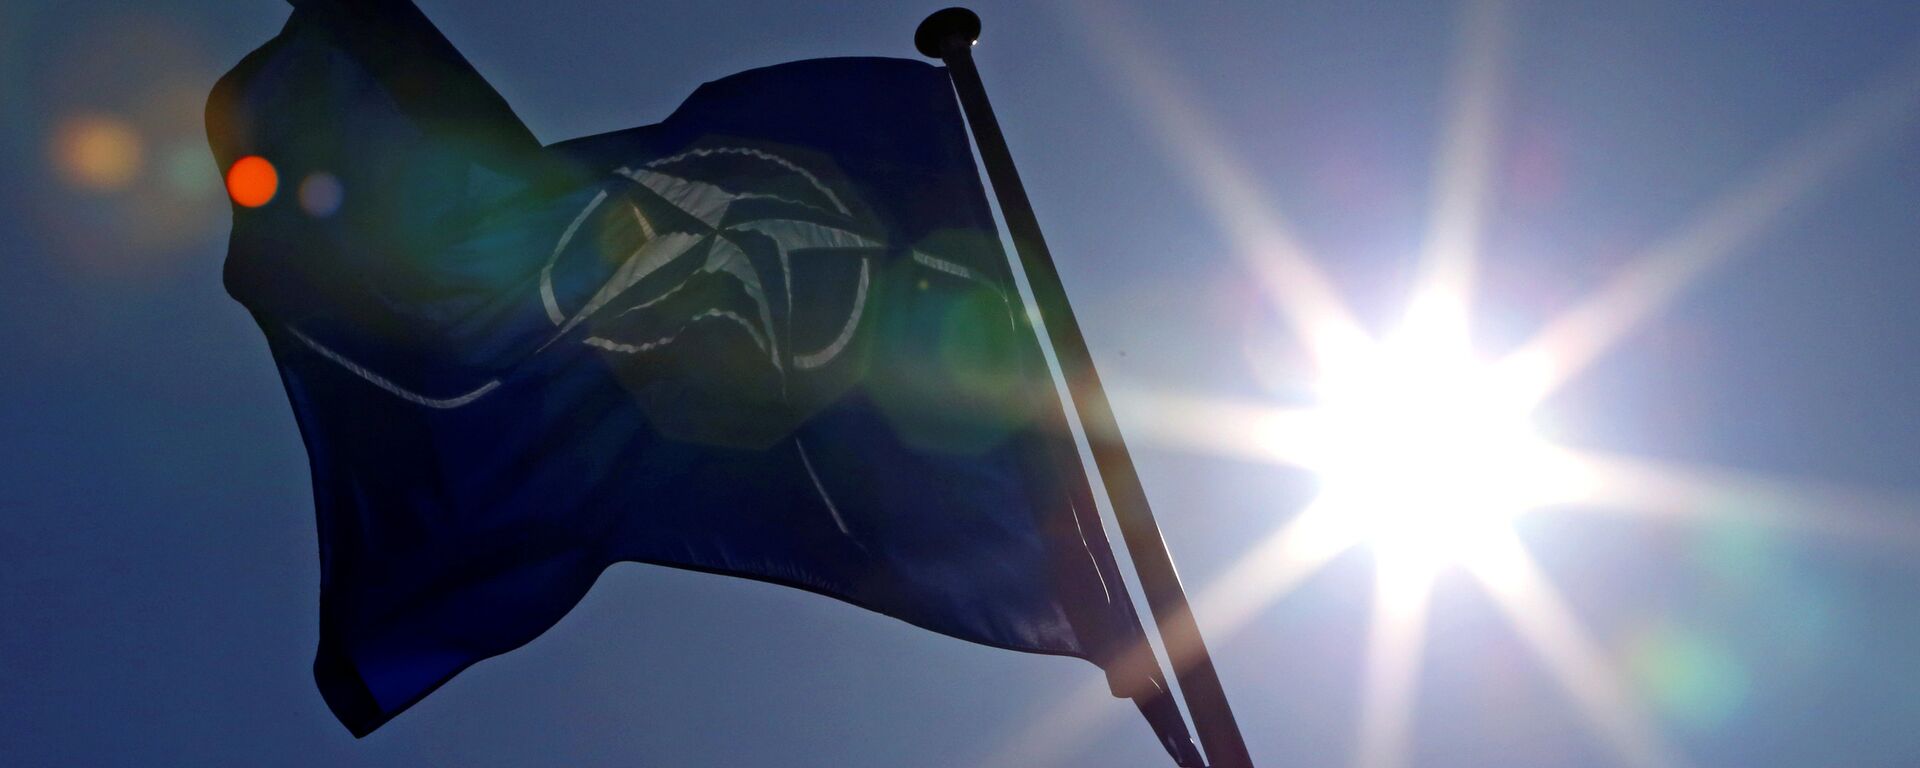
(948, 27)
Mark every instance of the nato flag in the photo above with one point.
(773, 336)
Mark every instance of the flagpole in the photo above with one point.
(949, 35)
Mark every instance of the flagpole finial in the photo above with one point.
(947, 32)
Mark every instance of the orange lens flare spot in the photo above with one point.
(97, 153)
(252, 181)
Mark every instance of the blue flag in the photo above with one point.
(773, 336)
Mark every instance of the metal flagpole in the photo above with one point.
(949, 35)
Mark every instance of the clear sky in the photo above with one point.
(1737, 183)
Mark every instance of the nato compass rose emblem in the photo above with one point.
(739, 287)
(733, 294)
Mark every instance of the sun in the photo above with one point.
(1424, 452)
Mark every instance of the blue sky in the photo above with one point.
(160, 578)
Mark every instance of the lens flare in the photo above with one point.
(320, 194)
(1690, 679)
(97, 153)
(252, 181)
(185, 170)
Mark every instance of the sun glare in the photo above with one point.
(1425, 452)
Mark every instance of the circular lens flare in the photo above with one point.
(97, 153)
(320, 195)
(252, 181)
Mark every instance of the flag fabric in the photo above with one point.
(773, 336)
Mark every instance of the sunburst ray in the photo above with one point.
(1623, 484)
(1463, 162)
(1400, 604)
(1548, 626)
(1654, 279)
(1267, 572)
(1262, 238)
(1221, 427)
